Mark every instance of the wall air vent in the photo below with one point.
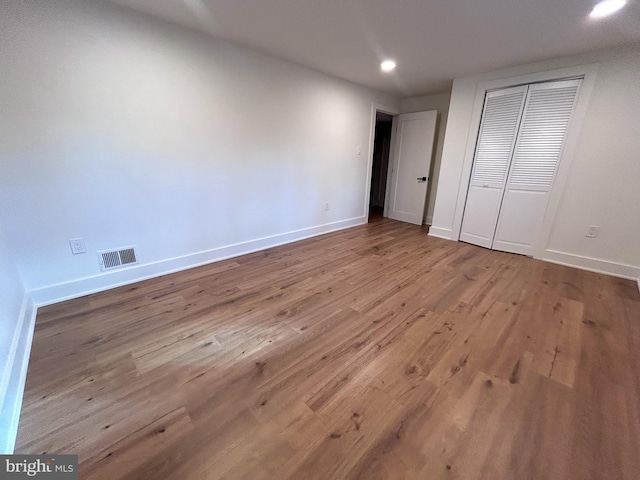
(121, 257)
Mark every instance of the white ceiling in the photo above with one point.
(432, 41)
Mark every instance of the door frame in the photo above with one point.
(389, 110)
(588, 73)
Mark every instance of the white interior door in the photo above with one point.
(494, 148)
(537, 152)
(411, 161)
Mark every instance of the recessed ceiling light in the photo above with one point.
(388, 65)
(606, 8)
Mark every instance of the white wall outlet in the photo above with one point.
(77, 246)
(592, 231)
(359, 150)
(327, 206)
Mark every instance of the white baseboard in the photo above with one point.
(439, 232)
(107, 280)
(16, 375)
(7, 368)
(13, 381)
(593, 264)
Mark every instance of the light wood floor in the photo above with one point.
(374, 352)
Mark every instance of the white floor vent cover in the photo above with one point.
(117, 258)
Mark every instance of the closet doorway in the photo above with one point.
(380, 164)
(519, 146)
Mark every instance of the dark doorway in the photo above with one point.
(380, 164)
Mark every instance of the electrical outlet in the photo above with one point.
(359, 150)
(327, 206)
(77, 246)
(592, 232)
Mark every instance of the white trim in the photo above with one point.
(390, 165)
(14, 376)
(587, 71)
(592, 264)
(17, 364)
(375, 108)
(438, 232)
(117, 278)
(428, 220)
(8, 367)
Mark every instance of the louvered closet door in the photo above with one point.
(498, 130)
(538, 148)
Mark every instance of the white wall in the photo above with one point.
(126, 130)
(440, 103)
(602, 183)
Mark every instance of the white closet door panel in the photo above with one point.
(482, 203)
(544, 124)
(498, 129)
(496, 140)
(520, 219)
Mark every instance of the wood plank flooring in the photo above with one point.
(371, 353)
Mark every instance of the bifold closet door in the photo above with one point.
(543, 128)
(498, 129)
